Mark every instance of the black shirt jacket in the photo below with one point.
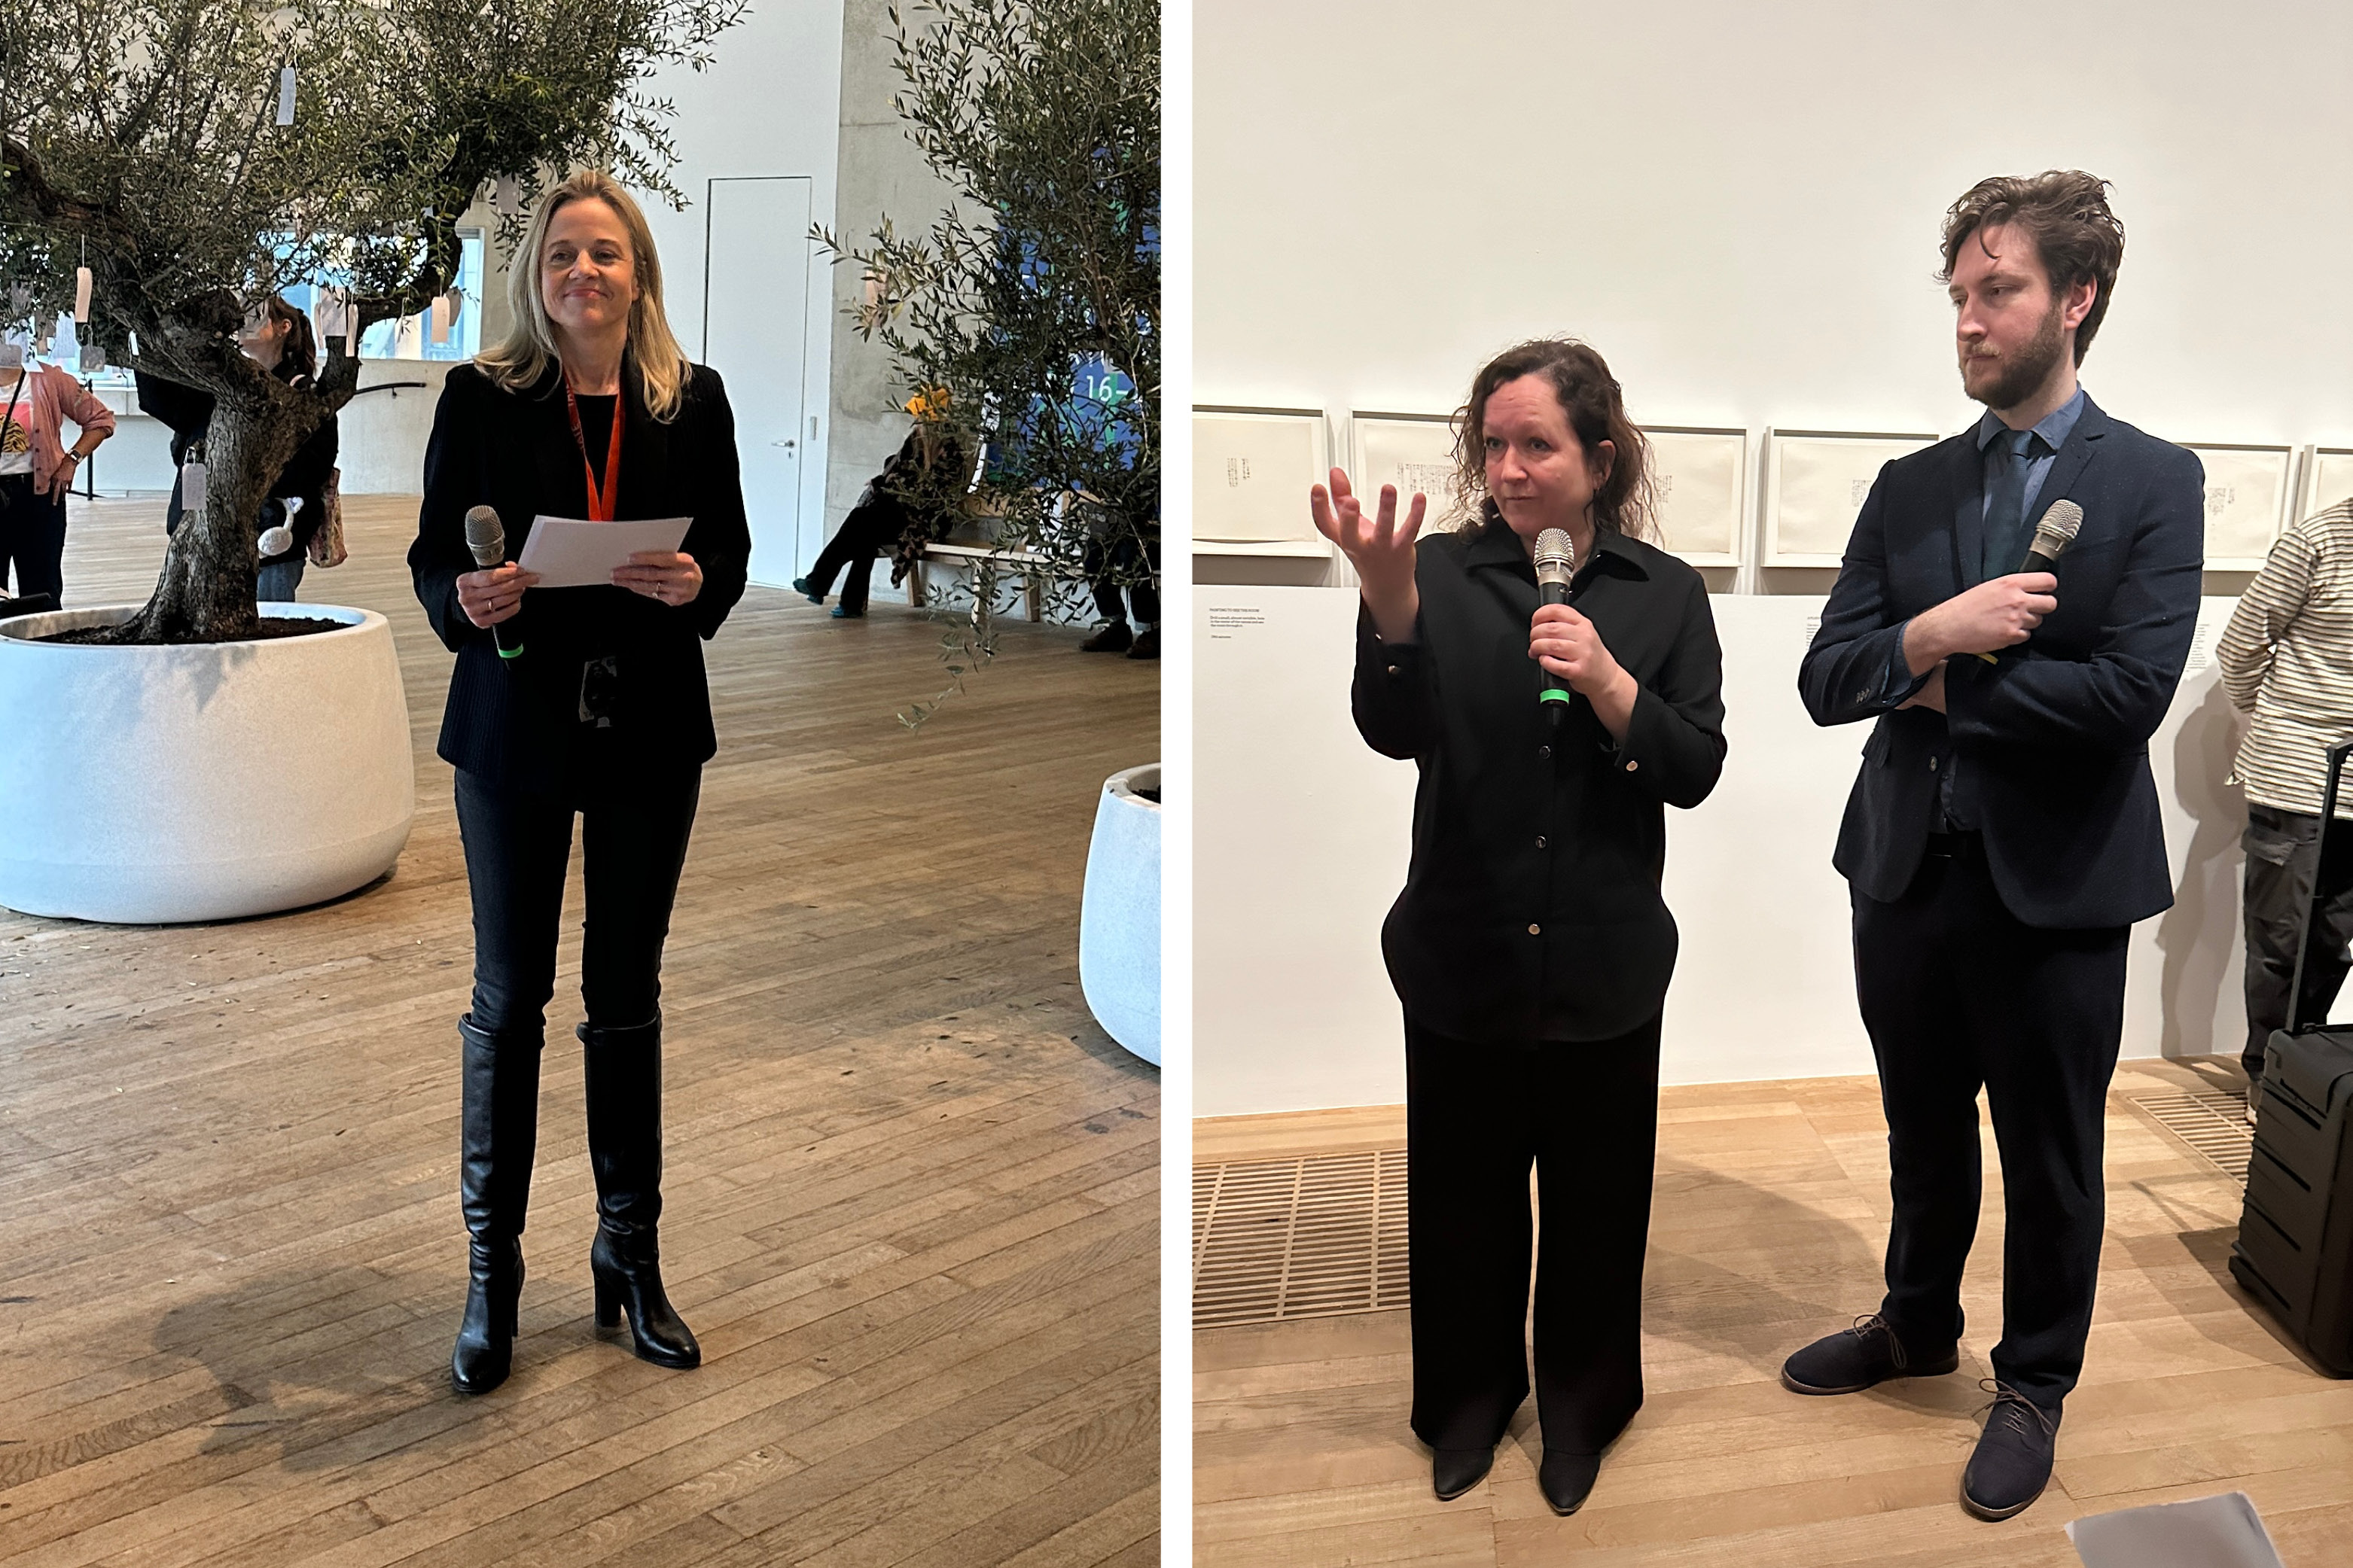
(516, 723)
(1532, 909)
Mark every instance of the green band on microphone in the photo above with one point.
(1550, 695)
(509, 653)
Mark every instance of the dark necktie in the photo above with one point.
(2005, 517)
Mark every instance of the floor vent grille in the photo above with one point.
(1318, 1236)
(2211, 1126)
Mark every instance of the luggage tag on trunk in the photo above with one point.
(191, 487)
(93, 360)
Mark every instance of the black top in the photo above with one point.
(2053, 737)
(188, 413)
(1532, 909)
(517, 723)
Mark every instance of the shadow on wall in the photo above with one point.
(2199, 934)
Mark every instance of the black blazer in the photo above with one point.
(188, 413)
(1532, 907)
(2052, 739)
(516, 723)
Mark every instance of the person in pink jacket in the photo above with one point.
(37, 468)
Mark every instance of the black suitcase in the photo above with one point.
(2294, 1251)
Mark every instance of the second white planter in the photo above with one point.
(1118, 918)
(143, 785)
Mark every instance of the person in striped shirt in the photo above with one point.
(2286, 659)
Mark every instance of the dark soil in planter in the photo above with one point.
(1151, 795)
(269, 626)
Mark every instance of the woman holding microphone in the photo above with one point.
(1530, 947)
(589, 410)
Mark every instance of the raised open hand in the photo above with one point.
(1380, 547)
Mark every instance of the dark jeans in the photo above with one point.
(867, 527)
(2284, 855)
(1104, 565)
(32, 537)
(633, 845)
(1956, 993)
(1476, 1115)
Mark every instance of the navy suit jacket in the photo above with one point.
(2050, 741)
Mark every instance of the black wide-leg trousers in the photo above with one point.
(1477, 1114)
(1957, 993)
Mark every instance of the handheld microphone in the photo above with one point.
(486, 537)
(1555, 566)
(2060, 522)
(2052, 535)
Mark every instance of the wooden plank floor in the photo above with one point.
(912, 1187)
(1771, 1213)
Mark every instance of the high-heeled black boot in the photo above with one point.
(623, 1072)
(499, 1137)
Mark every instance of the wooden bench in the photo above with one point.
(1028, 562)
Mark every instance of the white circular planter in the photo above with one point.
(142, 786)
(1119, 919)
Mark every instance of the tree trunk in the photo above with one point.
(206, 591)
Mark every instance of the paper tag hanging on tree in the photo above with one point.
(12, 355)
(20, 300)
(191, 487)
(506, 195)
(445, 315)
(134, 345)
(286, 95)
(93, 359)
(82, 294)
(330, 314)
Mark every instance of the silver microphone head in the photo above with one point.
(2057, 530)
(485, 536)
(1555, 556)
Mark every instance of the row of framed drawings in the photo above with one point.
(1251, 467)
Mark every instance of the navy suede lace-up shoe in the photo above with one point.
(2012, 1462)
(1855, 1359)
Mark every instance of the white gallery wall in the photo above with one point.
(1739, 206)
(767, 109)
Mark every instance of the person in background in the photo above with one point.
(36, 469)
(2286, 661)
(886, 517)
(1105, 564)
(278, 338)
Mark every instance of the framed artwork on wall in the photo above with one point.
(1702, 487)
(1816, 482)
(1414, 452)
(1252, 469)
(2327, 479)
(2247, 495)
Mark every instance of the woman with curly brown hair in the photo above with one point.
(1531, 948)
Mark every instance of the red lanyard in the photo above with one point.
(600, 507)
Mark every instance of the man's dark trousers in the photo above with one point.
(1956, 993)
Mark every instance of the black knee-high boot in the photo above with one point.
(499, 1138)
(623, 1067)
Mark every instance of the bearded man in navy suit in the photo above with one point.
(2003, 833)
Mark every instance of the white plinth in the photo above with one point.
(1118, 918)
(143, 785)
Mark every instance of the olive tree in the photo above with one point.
(1025, 319)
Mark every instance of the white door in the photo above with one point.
(755, 334)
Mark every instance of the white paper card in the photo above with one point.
(286, 95)
(569, 552)
(2208, 1533)
(93, 359)
(2246, 497)
(191, 487)
(1699, 485)
(82, 294)
(12, 356)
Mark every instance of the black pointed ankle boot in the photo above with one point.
(499, 1137)
(623, 1072)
